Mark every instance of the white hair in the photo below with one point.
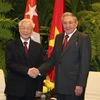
(26, 20)
(69, 14)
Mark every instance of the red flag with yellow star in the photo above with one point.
(31, 13)
(56, 28)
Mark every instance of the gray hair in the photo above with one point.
(69, 14)
(26, 20)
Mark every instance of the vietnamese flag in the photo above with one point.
(31, 13)
(56, 28)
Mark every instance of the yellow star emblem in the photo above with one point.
(51, 42)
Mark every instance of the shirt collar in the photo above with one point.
(71, 33)
(28, 41)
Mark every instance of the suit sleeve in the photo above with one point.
(40, 78)
(85, 57)
(49, 63)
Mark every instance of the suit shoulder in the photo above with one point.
(82, 35)
(10, 42)
(13, 43)
(59, 35)
(36, 43)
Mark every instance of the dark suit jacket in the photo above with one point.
(17, 63)
(72, 65)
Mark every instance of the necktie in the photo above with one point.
(65, 42)
(25, 46)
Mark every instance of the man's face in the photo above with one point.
(25, 30)
(69, 24)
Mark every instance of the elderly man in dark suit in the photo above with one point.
(72, 61)
(21, 56)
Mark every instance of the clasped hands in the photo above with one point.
(33, 72)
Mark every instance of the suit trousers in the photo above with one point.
(70, 96)
(9, 97)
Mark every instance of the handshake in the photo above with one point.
(33, 72)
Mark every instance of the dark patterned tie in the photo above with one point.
(65, 42)
(25, 46)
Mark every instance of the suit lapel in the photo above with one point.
(72, 40)
(31, 47)
(20, 47)
(60, 42)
